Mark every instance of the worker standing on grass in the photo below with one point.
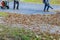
(16, 4)
(47, 5)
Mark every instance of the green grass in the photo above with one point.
(3, 14)
(21, 34)
(40, 1)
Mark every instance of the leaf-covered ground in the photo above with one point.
(30, 27)
(53, 19)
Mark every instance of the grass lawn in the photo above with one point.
(40, 1)
(3, 14)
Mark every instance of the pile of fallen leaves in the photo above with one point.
(53, 19)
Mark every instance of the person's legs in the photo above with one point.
(7, 7)
(2, 7)
(17, 5)
(48, 6)
(45, 7)
(14, 5)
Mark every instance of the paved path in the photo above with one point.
(29, 8)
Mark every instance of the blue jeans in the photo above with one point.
(16, 3)
(47, 6)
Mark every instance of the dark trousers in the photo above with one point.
(16, 5)
(47, 6)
